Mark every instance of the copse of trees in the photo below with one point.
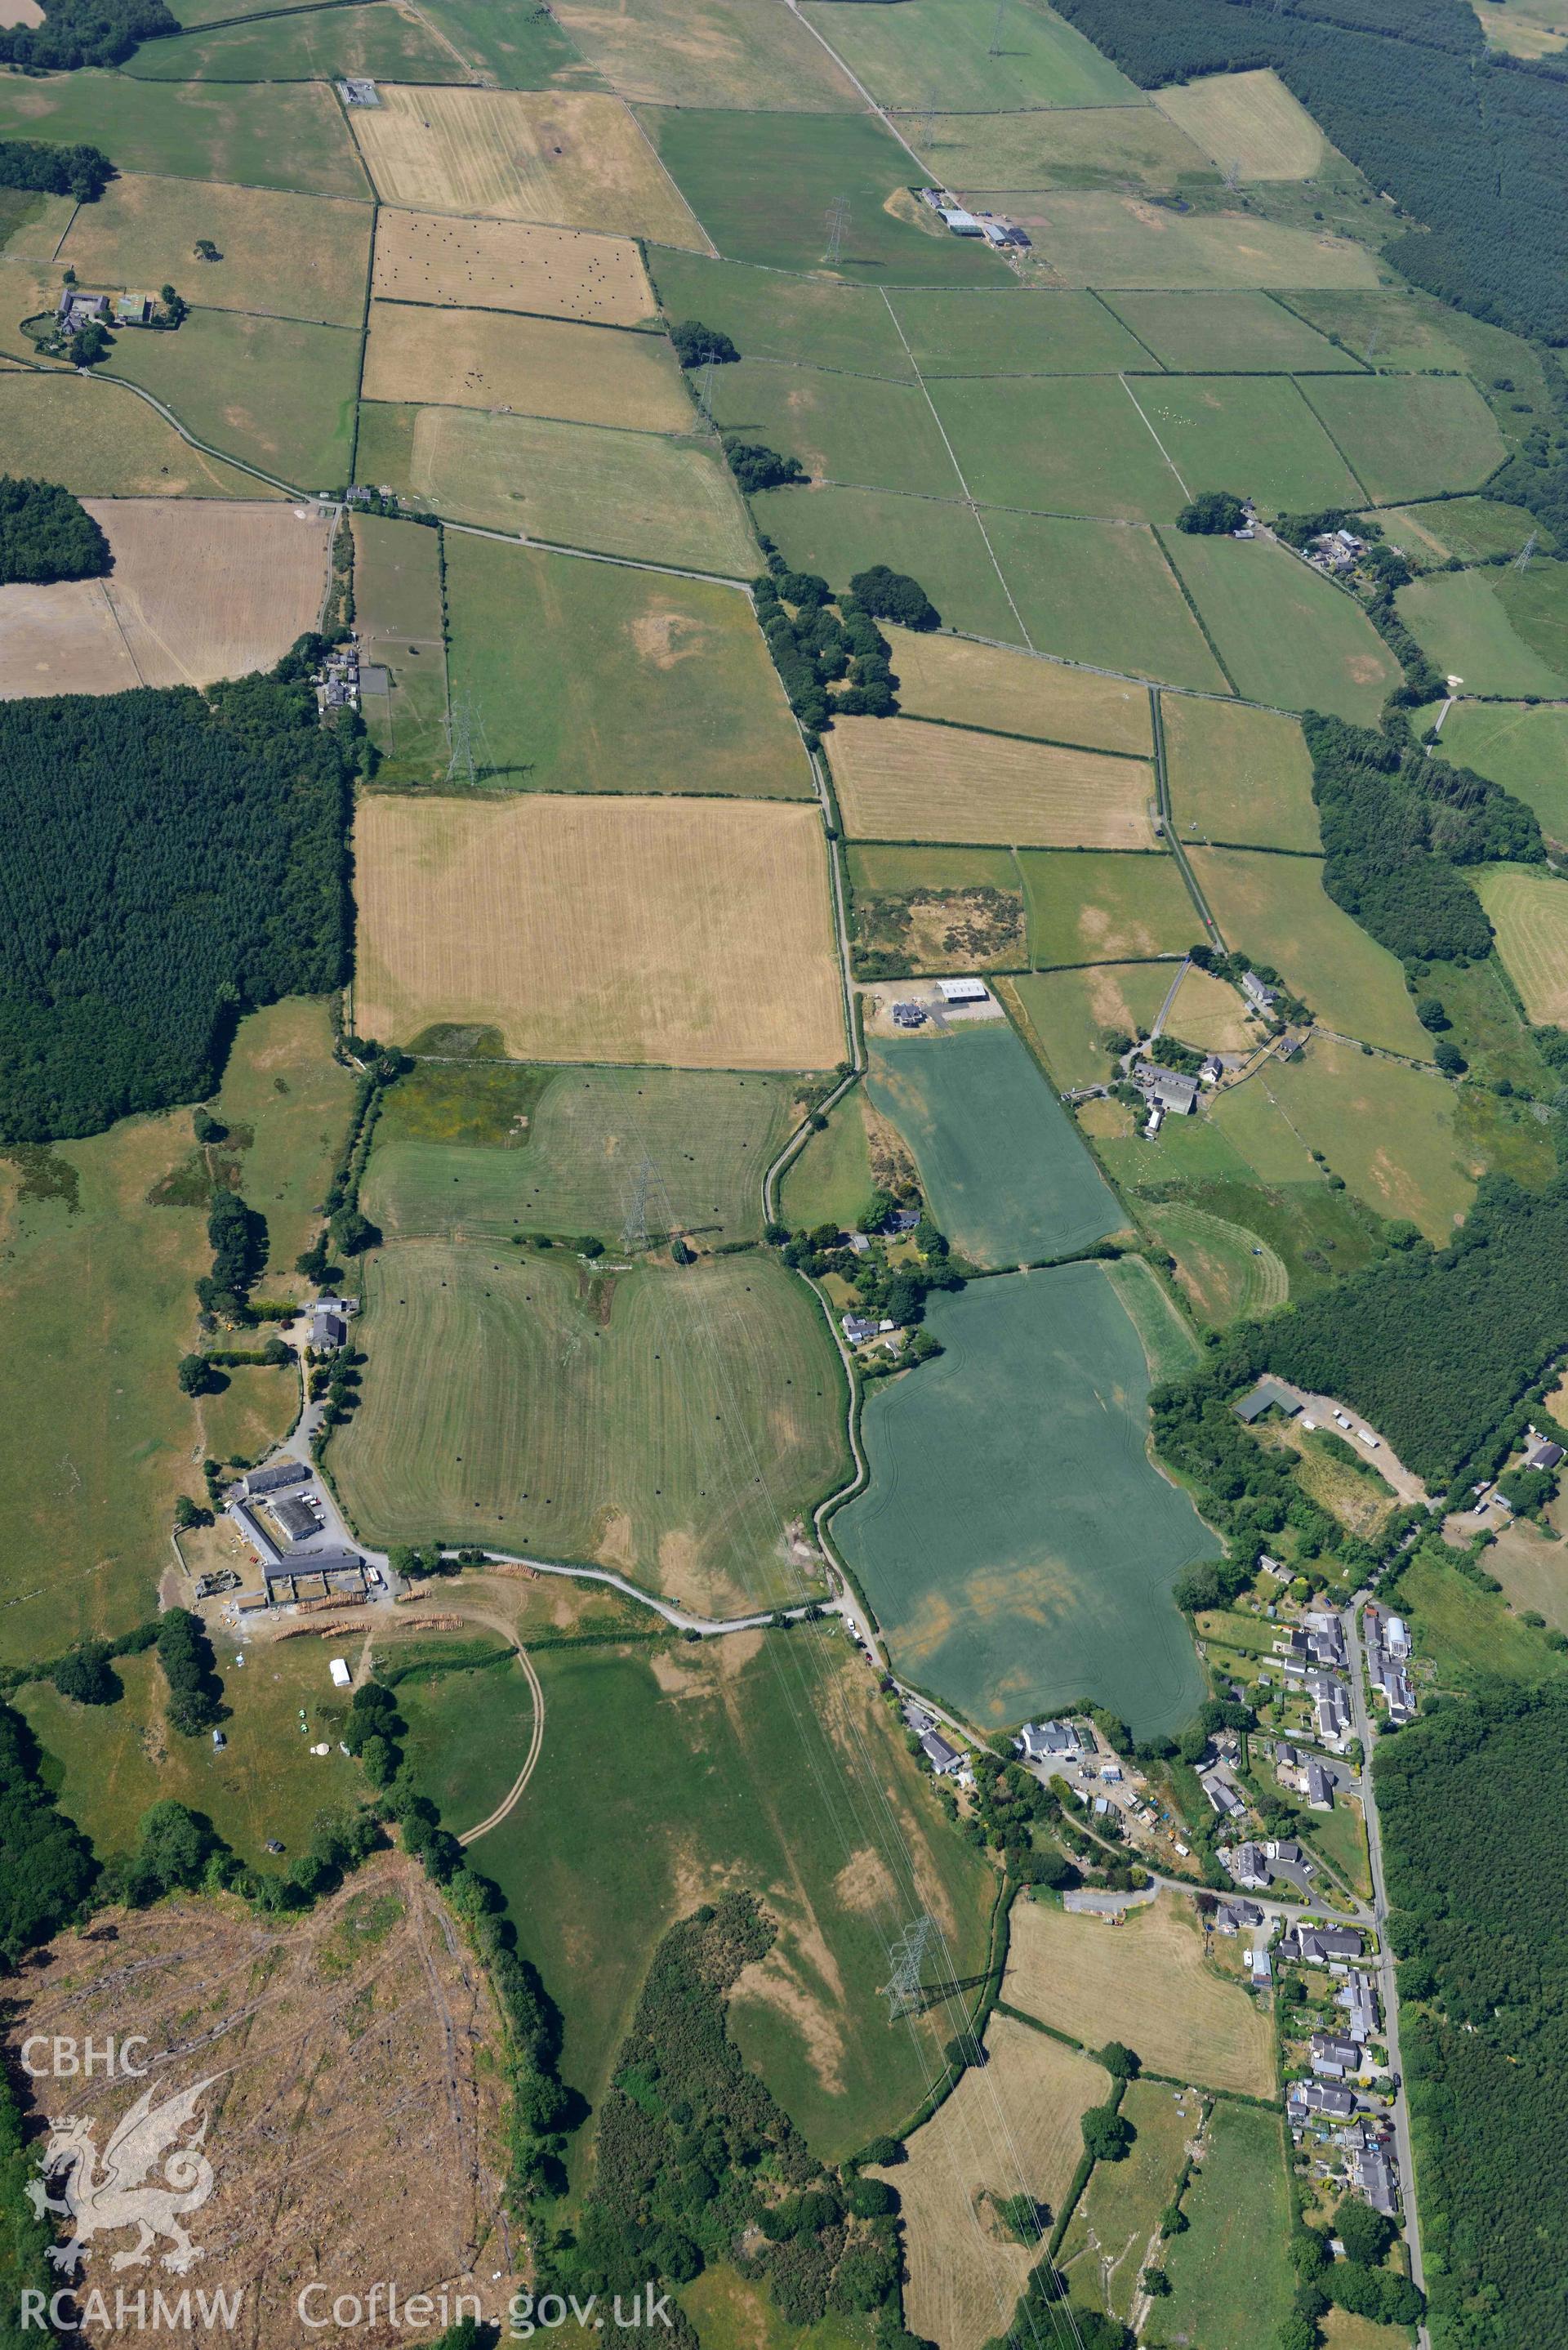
(814, 646)
(757, 467)
(1213, 514)
(1410, 90)
(696, 344)
(172, 857)
(81, 172)
(46, 534)
(76, 33)
(185, 1653)
(889, 594)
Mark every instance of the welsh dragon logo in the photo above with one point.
(122, 2189)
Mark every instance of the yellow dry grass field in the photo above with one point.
(559, 273)
(573, 157)
(899, 780)
(103, 442)
(542, 366)
(1250, 120)
(20, 12)
(1009, 2127)
(1529, 912)
(690, 933)
(980, 685)
(200, 588)
(1210, 1013)
(1145, 1983)
(293, 256)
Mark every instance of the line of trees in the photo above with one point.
(189, 1667)
(171, 859)
(1471, 144)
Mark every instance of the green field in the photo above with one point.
(937, 909)
(1066, 1013)
(1102, 592)
(470, 1714)
(1230, 2273)
(669, 1423)
(1239, 775)
(274, 393)
(1033, 333)
(1004, 1173)
(1467, 1633)
(1123, 2201)
(1387, 1130)
(297, 257)
(1059, 146)
(1226, 1270)
(1226, 334)
(1286, 635)
(1410, 436)
(1403, 328)
(272, 136)
(1522, 748)
(1536, 604)
(1112, 240)
(840, 531)
(768, 315)
(388, 43)
(1057, 444)
(1276, 910)
(113, 1764)
(100, 441)
(1255, 433)
(930, 54)
(631, 493)
(286, 1102)
(755, 182)
(523, 49)
(1006, 1577)
(398, 607)
(1472, 528)
(588, 677)
(1169, 1343)
(1096, 907)
(830, 1178)
(1488, 1025)
(1460, 619)
(843, 428)
(669, 1773)
(479, 1150)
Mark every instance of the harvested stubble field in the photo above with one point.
(1096, 238)
(274, 135)
(1411, 436)
(561, 273)
(102, 441)
(1248, 120)
(296, 257)
(1276, 910)
(703, 53)
(634, 494)
(545, 367)
(1145, 1983)
(201, 589)
(695, 933)
(600, 678)
(671, 1423)
(980, 685)
(483, 1150)
(1009, 2128)
(571, 156)
(1529, 912)
(1239, 775)
(1100, 592)
(1105, 907)
(899, 780)
(1226, 333)
(343, 2102)
(1225, 1269)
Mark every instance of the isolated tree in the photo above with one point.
(195, 1374)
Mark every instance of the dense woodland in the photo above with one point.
(1468, 1798)
(83, 173)
(1436, 1348)
(47, 535)
(1473, 146)
(171, 859)
(85, 32)
(46, 1868)
(1397, 825)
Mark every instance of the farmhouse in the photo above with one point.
(1256, 991)
(1231, 1916)
(1333, 2058)
(1048, 1741)
(1167, 1089)
(327, 1331)
(942, 1757)
(1305, 2097)
(908, 1016)
(81, 310)
(1318, 1945)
